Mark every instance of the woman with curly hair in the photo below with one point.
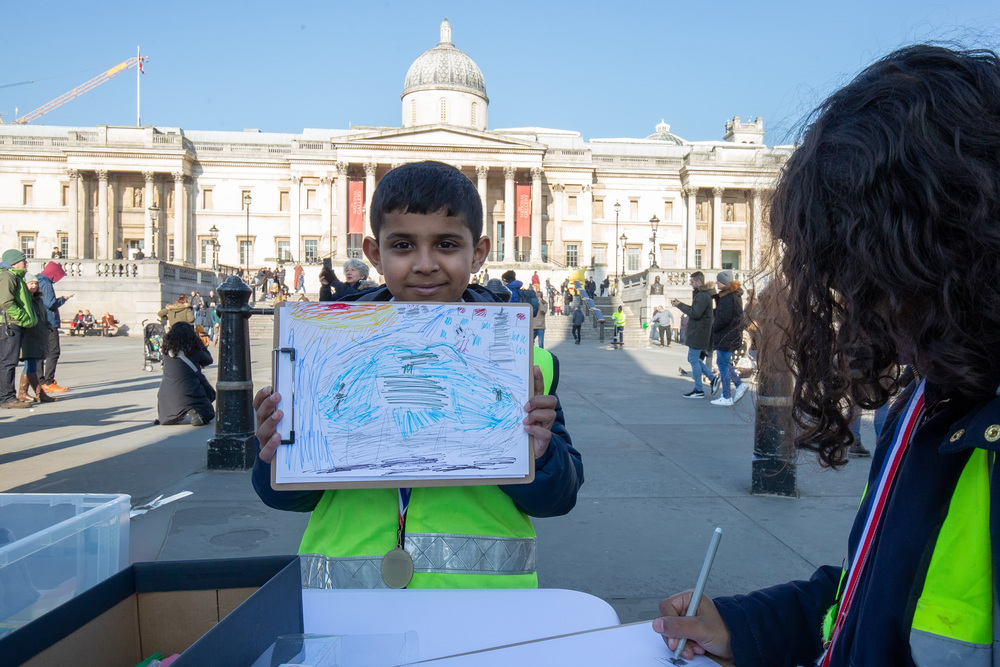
(887, 218)
(184, 389)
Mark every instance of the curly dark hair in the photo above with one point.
(182, 338)
(886, 223)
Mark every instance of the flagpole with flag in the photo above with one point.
(138, 73)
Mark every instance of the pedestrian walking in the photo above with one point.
(663, 320)
(699, 332)
(577, 324)
(727, 335)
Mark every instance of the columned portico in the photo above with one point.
(180, 222)
(509, 214)
(691, 197)
(587, 202)
(536, 214)
(147, 232)
(716, 262)
(102, 214)
(73, 224)
(342, 209)
(482, 171)
(370, 168)
(293, 223)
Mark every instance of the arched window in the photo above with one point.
(475, 110)
(413, 112)
(444, 110)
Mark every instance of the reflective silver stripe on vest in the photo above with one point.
(930, 650)
(436, 553)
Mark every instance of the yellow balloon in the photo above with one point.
(577, 275)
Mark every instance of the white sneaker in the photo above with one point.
(740, 390)
(722, 400)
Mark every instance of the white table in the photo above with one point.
(449, 622)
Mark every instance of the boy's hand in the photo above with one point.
(264, 404)
(541, 415)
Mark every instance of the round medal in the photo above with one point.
(397, 568)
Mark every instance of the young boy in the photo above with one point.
(427, 223)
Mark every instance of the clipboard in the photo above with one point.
(402, 394)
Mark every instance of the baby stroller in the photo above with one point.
(152, 341)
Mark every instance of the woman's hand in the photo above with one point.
(705, 631)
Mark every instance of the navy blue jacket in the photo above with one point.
(50, 302)
(558, 473)
(781, 626)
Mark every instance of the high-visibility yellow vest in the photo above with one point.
(953, 619)
(458, 536)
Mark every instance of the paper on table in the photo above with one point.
(635, 644)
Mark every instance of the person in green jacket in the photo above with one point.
(17, 315)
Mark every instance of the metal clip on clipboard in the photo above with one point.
(290, 351)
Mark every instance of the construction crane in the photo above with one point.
(80, 90)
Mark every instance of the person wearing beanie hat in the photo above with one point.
(723, 278)
(47, 277)
(33, 345)
(17, 315)
(496, 286)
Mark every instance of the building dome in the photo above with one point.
(445, 68)
(663, 134)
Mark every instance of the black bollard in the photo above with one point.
(234, 446)
(773, 467)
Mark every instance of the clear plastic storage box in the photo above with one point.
(54, 546)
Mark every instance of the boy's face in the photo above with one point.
(426, 257)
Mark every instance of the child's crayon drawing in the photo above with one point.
(408, 390)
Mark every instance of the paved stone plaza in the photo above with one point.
(661, 473)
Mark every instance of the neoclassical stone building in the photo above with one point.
(552, 199)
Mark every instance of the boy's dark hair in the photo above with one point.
(427, 187)
(508, 276)
(888, 220)
(698, 275)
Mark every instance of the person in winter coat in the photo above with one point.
(33, 346)
(727, 335)
(16, 315)
(538, 321)
(509, 279)
(699, 332)
(47, 278)
(663, 320)
(184, 389)
(355, 271)
(577, 323)
(179, 311)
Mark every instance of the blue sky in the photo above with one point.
(604, 69)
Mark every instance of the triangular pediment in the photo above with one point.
(438, 136)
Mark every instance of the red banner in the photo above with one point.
(356, 207)
(522, 226)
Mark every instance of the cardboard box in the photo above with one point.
(213, 612)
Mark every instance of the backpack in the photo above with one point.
(529, 296)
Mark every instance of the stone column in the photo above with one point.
(691, 196)
(587, 202)
(717, 228)
(293, 224)
(557, 213)
(73, 226)
(327, 219)
(147, 199)
(536, 214)
(343, 210)
(102, 214)
(482, 171)
(180, 224)
(370, 168)
(509, 214)
(756, 229)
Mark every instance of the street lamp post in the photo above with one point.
(618, 208)
(624, 240)
(214, 233)
(154, 212)
(246, 255)
(654, 222)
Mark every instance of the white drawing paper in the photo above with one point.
(403, 390)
